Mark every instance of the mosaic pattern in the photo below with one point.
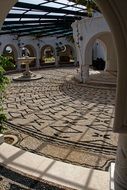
(61, 118)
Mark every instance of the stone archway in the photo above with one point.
(111, 58)
(47, 55)
(66, 56)
(10, 51)
(115, 12)
(91, 29)
(99, 53)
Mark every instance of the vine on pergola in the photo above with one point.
(90, 5)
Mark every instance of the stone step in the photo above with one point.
(68, 175)
(101, 83)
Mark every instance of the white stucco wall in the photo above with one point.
(36, 45)
(99, 50)
(85, 33)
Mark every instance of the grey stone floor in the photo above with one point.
(63, 119)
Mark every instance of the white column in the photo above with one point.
(38, 55)
(18, 65)
(111, 64)
(75, 61)
(37, 62)
(19, 55)
(83, 71)
(56, 58)
(121, 164)
(79, 74)
(115, 11)
(78, 32)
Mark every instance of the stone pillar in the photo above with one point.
(56, 58)
(79, 75)
(38, 55)
(115, 12)
(19, 55)
(111, 55)
(37, 62)
(18, 65)
(75, 61)
(5, 7)
(83, 71)
(111, 65)
(121, 164)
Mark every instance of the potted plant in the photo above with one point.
(4, 81)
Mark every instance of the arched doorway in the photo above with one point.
(66, 55)
(11, 52)
(118, 26)
(99, 55)
(47, 55)
(106, 43)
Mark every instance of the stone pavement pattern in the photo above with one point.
(63, 119)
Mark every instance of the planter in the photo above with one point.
(1, 138)
(10, 139)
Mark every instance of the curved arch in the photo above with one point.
(107, 41)
(67, 56)
(98, 46)
(89, 46)
(13, 55)
(47, 55)
(31, 49)
(70, 49)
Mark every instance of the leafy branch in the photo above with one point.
(4, 81)
(89, 4)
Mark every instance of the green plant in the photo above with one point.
(70, 38)
(90, 5)
(6, 62)
(4, 81)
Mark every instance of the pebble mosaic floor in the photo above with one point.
(62, 119)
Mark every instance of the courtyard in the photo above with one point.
(63, 119)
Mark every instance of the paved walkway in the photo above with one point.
(63, 119)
